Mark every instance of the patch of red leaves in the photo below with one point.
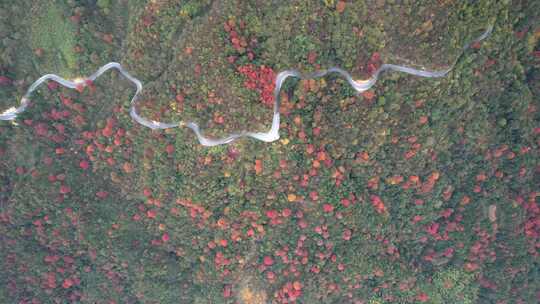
(5, 81)
(260, 79)
(290, 292)
(240, 40)
(378, 204)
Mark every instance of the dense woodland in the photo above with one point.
(417, 191)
